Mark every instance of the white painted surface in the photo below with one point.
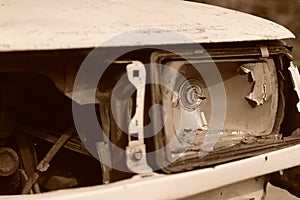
(64, 24)
(182, 184)
(275, 193)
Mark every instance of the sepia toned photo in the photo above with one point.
(158, 100)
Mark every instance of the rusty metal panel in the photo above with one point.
(42, 25)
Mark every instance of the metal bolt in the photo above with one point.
(137, 154)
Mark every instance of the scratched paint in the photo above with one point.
(59, 24)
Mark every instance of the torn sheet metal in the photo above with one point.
(296, 81)
(261, 76)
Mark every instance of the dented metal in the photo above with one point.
(247, 131)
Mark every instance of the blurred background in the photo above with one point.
(286, 13)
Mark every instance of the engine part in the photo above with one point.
(44, 164)
(7, 118)
(28, 158)
(74, 144)
(103, 149)
(58, 181)
(9, 161)
(24, 178)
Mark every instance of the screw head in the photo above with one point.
(137, 154)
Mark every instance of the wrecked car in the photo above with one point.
(143, 99)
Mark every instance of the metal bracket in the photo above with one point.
(136, 150)
(264, 52)
(294, 72)
(103, 150)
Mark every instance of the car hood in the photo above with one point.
(61, 24)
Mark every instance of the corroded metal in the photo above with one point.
(9, 161)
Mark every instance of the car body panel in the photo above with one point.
(182, 184)
(48, 25)
(64, 25)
